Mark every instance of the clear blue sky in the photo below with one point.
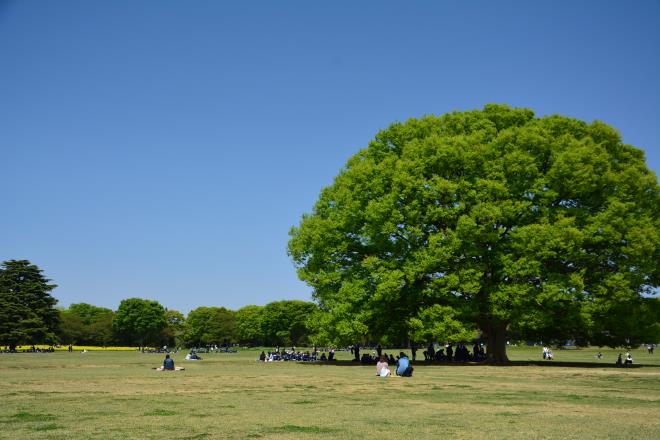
(163, 149)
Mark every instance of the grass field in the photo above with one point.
(116, 395)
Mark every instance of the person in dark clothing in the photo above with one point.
(168, 363)
(356, 351)
(413, 349)
(430, 352)
(450, 352)
(379, 350)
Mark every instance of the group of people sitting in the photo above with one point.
(547, 354)
(294, 355)
(624, 362)
(32, 349)
(368, 359)
(403, 367)
(193, 356)
(459, 355)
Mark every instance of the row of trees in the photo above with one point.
(145, 322)
(486, 223)
(28, 315)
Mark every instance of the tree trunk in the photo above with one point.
(496, 345)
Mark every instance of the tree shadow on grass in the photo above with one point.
(528, 363)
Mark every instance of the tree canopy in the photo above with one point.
(248, 323)
(287, 322)
(139, 321)
(84, 323)
(27, 310)
(490, 220)
(210, 325)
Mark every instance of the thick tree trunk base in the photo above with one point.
(496, 346)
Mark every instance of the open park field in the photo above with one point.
(116, 395)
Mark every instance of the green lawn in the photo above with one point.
(106, 395)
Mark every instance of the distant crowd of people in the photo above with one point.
(459, 354)
(32, 349)
(296, 355)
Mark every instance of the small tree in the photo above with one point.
(27, 310)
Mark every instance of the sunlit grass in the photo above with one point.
(106, 395)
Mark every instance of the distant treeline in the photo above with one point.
(28, 315)
(144, 322)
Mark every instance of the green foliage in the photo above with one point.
(88, 313)
(287, 322)
(248, 324)
(86, 324)
(549, 227)
(210, 325)
(71, 329)
(439, 323)
(27, 311)
(175, 328)
(139, 321)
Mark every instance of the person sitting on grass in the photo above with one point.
(382, 367)
(403, 367)
(193, 356)
(629, 359)
(168, 363)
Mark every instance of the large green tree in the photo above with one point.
(493, 219)
(139, 321)
(210, 325)
(27, 310)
